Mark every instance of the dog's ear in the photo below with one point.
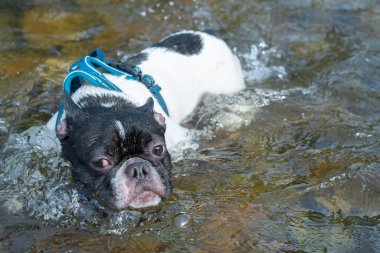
(72, 111)
(148, 106)
(159, 118)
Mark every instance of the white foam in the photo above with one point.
(256, 63)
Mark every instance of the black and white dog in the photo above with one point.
(117, 142)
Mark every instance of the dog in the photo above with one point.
(118, 140)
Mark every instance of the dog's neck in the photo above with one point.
(137, 94)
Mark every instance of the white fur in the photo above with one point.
(120, 128)
(108, 105)
(183, 79)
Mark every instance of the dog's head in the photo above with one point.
(117, 150)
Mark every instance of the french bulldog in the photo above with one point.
(118, 142)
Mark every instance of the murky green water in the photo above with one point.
(291, 164)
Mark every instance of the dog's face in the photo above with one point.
(117, 150)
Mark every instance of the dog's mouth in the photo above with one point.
(127, 192)
(139, 197)
(145, 199)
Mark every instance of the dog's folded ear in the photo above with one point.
(72, 111)
(148, 106)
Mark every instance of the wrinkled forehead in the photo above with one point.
(146, 131)
(105, 128)
(128, 136)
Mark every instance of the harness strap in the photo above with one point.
(87, 68)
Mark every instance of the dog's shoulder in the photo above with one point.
(186, 43)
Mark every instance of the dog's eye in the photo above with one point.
(101, 163)
(158, 150)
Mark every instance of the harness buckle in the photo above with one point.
(148, 81)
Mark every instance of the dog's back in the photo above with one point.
(188, 64)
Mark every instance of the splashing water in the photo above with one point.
(39, 179)
(256, 62)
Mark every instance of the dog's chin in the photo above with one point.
(145, 199)
(141, 200)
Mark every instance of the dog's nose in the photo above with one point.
(138, 171)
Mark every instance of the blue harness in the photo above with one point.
(87, 68)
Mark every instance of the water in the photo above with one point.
(289, 164)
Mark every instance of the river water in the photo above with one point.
(290, 164)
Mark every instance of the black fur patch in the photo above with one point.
(137, 59)
(183, 43)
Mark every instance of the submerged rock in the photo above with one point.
(44, 27)
(354, 192)
(8, 38)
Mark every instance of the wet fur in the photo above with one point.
(124, 125)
